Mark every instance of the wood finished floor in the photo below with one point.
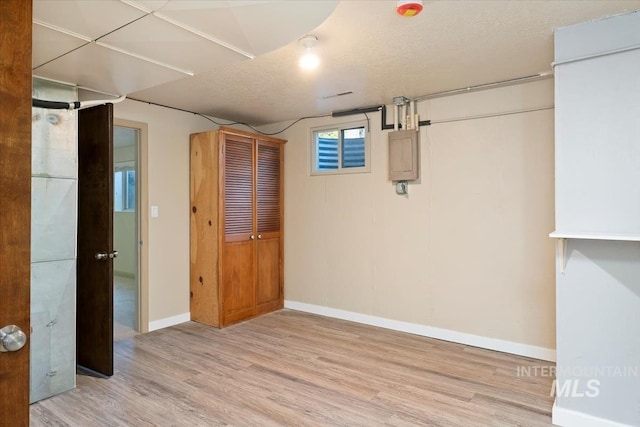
(292, 368)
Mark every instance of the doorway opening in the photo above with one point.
(129, 284)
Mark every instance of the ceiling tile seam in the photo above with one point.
(202, 34)
(59, 56)
(120, 27)
(49, 79)
(144, 58)
(89, 40)
(135, 5)
(75, 85)
(62, 30)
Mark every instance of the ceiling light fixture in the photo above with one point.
(409, 8)
(309, 60)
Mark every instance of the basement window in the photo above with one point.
(340, 149)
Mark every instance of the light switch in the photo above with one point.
(154, 212)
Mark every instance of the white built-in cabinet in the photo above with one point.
(597, 144)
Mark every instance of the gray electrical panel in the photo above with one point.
(404, 161)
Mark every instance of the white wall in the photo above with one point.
(168, 180)
(468, 249)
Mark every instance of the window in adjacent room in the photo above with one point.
(340, 149)
(124, 188)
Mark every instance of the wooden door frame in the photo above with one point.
(142, 220)
(15, 203)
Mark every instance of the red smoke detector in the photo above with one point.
(409, 8)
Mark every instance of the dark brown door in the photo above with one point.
(15, 203)
(94, 319)
(269, 295)
(238, 252)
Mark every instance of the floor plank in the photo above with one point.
(293, 368)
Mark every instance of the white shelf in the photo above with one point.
(596, 236)
(562, 237)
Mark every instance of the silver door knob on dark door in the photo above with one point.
(101, 256)
(12, 338)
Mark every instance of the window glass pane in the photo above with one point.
(131, 190)
(117, 191)
(353, 148)
(326, 150)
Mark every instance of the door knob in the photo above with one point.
(259, 236)
(12, 338)
(252, 237)
(101, 256)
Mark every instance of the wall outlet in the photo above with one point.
(154, 212)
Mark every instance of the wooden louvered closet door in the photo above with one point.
(269, 294)
(238, 260)
(236, 235)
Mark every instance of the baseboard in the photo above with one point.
(534, 352)
(568, 418)
(169, 321)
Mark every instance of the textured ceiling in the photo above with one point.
(364, 46)
(123, 46)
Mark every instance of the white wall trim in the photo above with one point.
(567, 418)
(169, 321)
(535, 352)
